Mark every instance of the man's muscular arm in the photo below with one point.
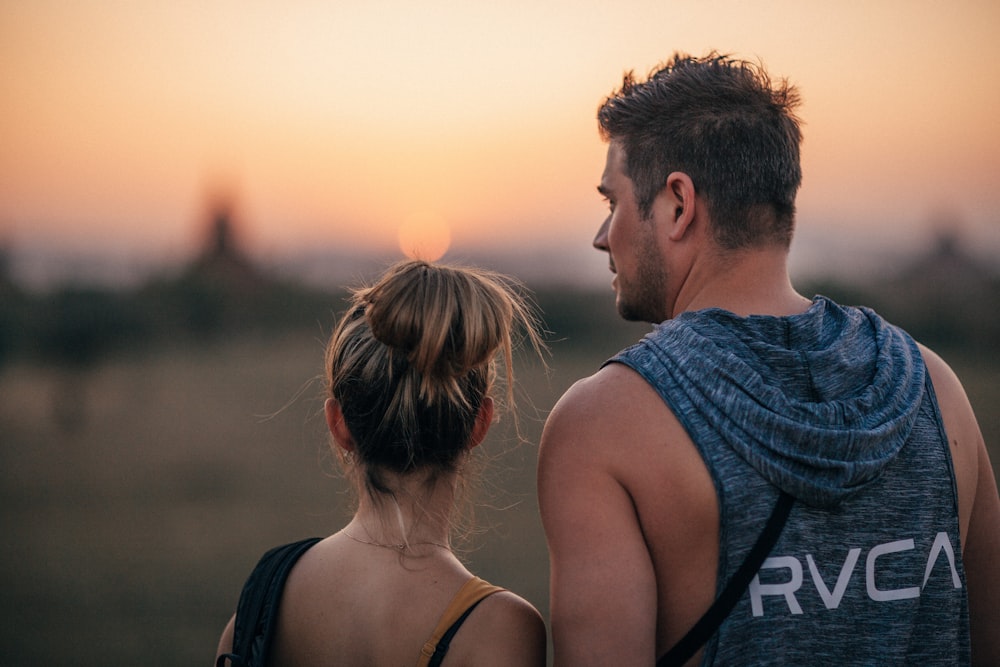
(603, 589)
(979, 509)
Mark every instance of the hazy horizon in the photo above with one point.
(818, 252)
(349, 125)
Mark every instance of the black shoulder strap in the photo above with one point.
(712, 619)
(257, 611)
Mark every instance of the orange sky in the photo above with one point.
(335, 125)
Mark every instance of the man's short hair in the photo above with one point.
(723, 123)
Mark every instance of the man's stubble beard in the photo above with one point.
(644, 301)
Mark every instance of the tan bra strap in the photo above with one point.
(474, 590)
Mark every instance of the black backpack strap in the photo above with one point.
(723, 605)
(257, 611)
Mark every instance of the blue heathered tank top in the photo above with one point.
(835, 407)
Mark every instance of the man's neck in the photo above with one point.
(747, 282)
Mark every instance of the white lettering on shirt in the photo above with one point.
(893, 593)
(759, 590)
(832, 600)
(873, 564)
(942, 543)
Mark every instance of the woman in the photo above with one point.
(410, 375)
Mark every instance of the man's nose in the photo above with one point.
(601, 240)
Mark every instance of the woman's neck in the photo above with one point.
(418, 512)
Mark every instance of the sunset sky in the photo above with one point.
(334, 124)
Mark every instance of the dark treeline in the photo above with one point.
(944, 298)
(77, 326)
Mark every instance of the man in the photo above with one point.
(658, 473)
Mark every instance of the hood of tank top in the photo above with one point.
(819, 403)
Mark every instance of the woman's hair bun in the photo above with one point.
(415, 356)
(446, 321)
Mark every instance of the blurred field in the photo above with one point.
(137, 495)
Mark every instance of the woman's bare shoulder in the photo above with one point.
(504, 629)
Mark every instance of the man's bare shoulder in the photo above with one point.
(613, 386)
(978, 505)
(614, 402)
(613, 421)
(964, 436)
(952, 399)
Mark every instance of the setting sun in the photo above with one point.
(424, 235)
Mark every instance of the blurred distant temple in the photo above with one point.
(223, 289)
(947, 295)
(948, 269)
(222, 261)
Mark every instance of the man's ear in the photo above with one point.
(679, 202)
(338, 427)
(484, 419)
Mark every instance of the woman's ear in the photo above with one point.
(484, 419)
(338, 427)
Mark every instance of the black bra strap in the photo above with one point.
(445, 641)
(712, 619)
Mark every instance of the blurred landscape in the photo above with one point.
(157, 435)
